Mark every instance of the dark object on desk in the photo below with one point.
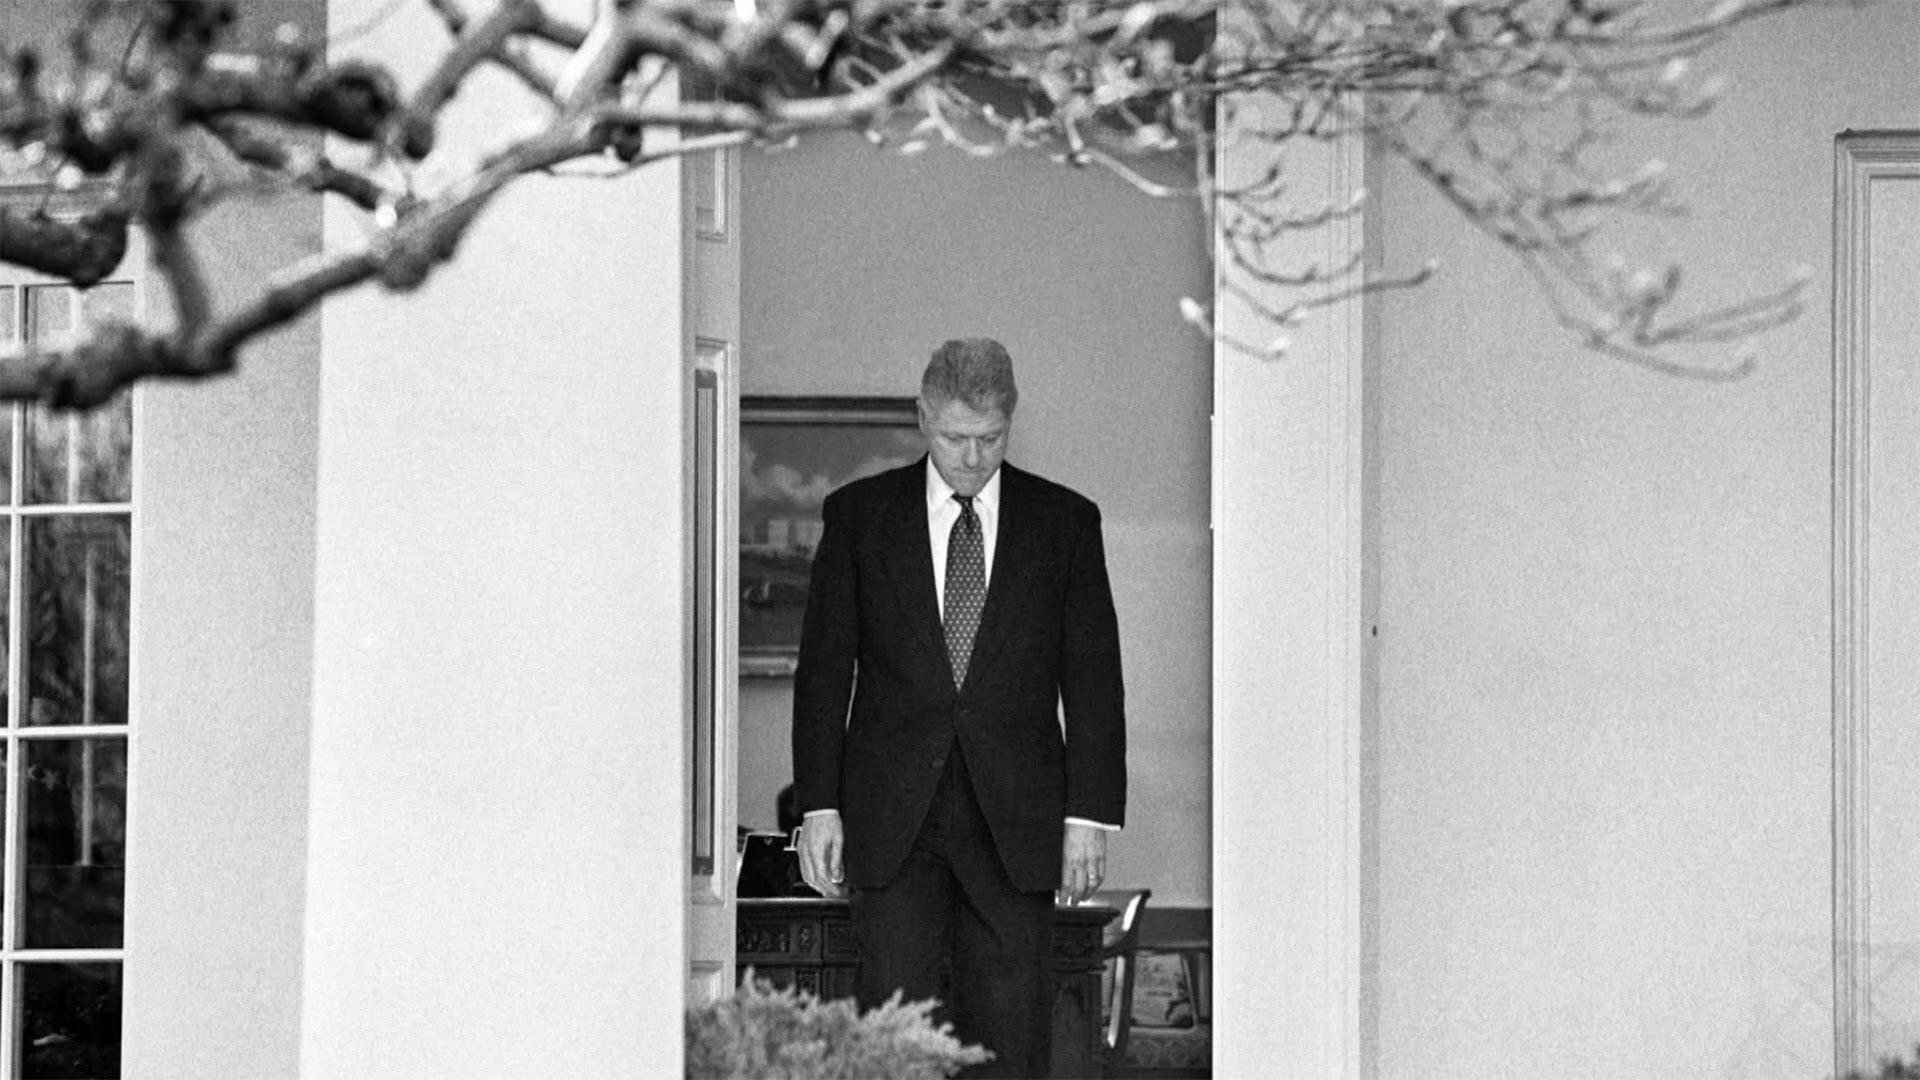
(784, 812)
(809, 944)
(769, 867)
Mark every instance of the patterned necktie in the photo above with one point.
(966, 587)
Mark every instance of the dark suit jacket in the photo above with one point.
(875, 710)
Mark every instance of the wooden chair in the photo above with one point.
(1120, 949)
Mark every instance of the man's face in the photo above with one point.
(966, 444)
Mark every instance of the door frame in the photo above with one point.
(1861, 159)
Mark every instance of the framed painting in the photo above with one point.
(793, 452)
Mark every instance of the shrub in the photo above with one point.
(761, 1032)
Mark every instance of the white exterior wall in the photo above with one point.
(1603, 757)
(497, 859)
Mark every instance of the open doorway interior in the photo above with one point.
(857, 262)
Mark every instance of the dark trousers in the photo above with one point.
(951, 926)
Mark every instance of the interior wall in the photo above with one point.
(1602, 747)
(858, 263)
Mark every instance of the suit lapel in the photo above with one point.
(1014, 545)
(908, 558)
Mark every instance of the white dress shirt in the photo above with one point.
(942, 511)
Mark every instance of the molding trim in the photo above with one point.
(1288, 698)
(710, 351)
(1860, 159)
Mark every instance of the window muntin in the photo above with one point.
(66, 517)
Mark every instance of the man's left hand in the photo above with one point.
(1083, 862)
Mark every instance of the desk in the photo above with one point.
(808, 942)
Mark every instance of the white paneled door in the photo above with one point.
(711, 189)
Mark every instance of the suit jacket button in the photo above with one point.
(939, 762)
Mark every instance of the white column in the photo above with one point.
(1288, 623)
(223, 615)
(496, 820)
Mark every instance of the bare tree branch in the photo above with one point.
(302, 165)
(512, 55)
(414, 124)
(1502, 106)
(83, 252)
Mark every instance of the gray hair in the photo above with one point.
(976, 372)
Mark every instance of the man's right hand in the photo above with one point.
(820, 842)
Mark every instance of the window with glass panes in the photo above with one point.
(66, 482)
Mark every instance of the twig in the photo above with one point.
(508, 54)
(413, 128)
(312, 170)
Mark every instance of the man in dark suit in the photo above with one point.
(958, 607)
